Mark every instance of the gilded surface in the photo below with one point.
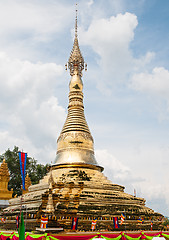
(84, 192)
(5, 194)
(75, 143)
(27, 184)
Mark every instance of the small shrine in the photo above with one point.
(5, 194)
(27, 184)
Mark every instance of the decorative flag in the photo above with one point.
(3, 220)
(151, 225)
(22, 159)
(17, 222)
(122, 219)
(74, 223)
(22, 229)
(44, 222)
(116, 222)
(93, 226)
(140, 220)
(134, 192)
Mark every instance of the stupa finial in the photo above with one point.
(76, 22)
(76, 62)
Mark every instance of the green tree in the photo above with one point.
(165, 223)
(35, 170)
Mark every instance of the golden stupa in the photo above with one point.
(76, 184)
(5, 194)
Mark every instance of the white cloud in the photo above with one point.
(28, 26)
(110, 39)
(90, 2)
(32, 18)
(114, 168)
(155, 83)
(30, 113)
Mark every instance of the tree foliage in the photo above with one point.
(166, 222)
(35, 170)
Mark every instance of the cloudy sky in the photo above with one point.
(126, 46)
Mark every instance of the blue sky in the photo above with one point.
(126, 87)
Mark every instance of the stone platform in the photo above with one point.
(87, 194)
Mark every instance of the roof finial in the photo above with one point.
(76, 22)
(76, 61)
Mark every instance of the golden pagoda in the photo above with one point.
(5, 194)
(76, 184)
(75, 143)
(27, 184)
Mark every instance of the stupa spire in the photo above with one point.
(76, 22)
(75, 143)
(76, 60)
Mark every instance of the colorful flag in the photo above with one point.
(151, 225)
(116, 222)
(74, 223)
(122, 219)
(93, 226)
(3, 220)
(44, 222)
(17, 222)
(140, 220)
(22, 159)
(22, 228)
